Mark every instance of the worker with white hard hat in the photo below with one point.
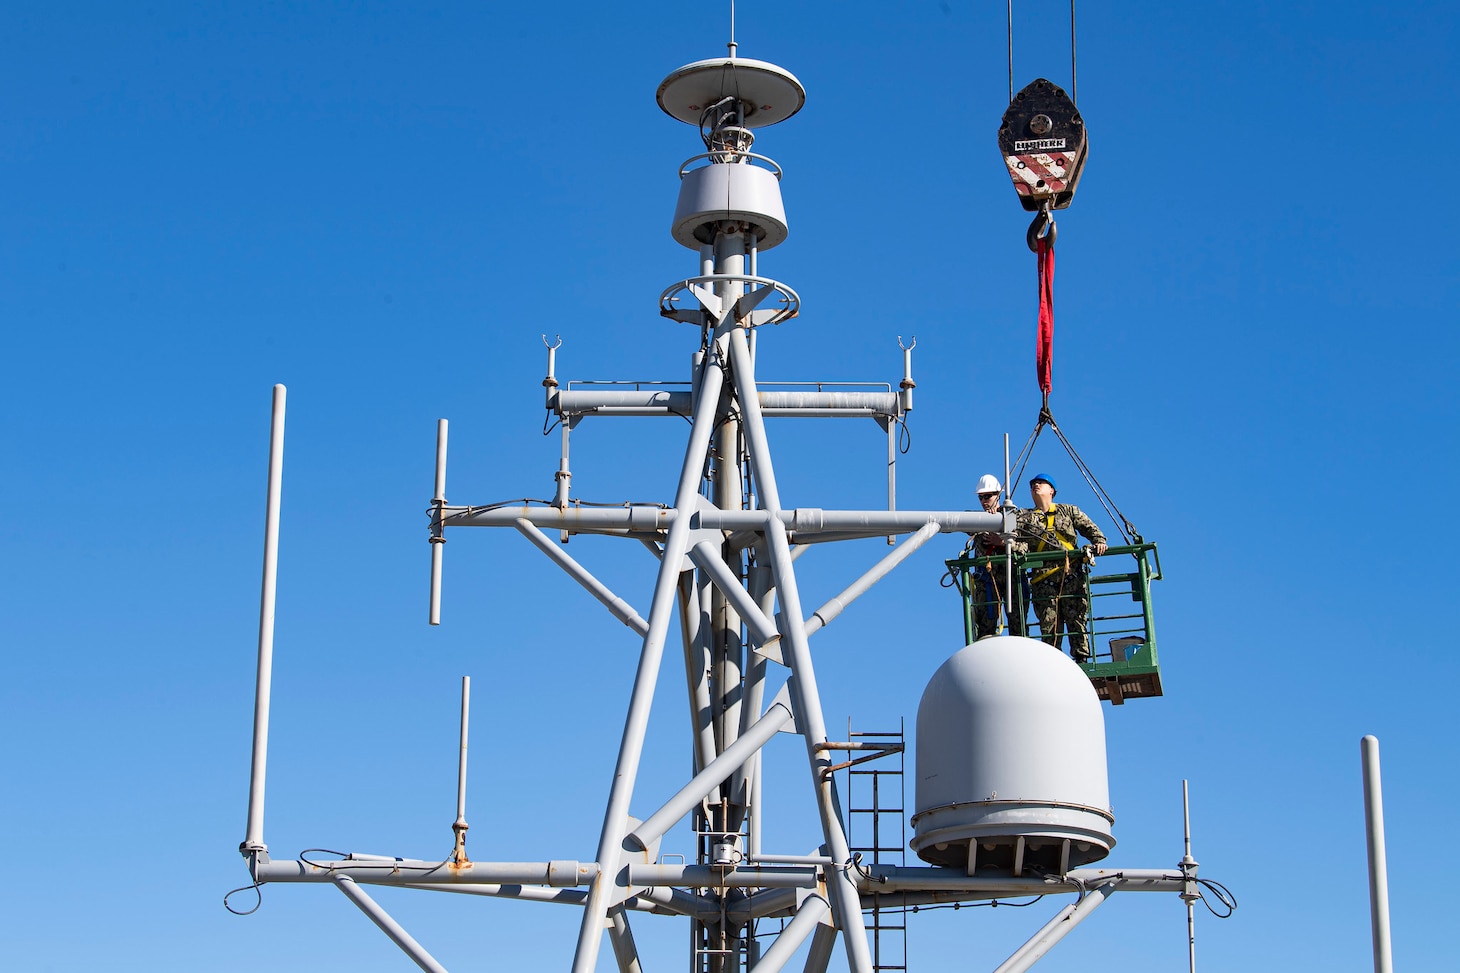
(989, 582)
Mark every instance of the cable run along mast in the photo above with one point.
(726, 549)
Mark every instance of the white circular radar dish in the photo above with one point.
(769, 93)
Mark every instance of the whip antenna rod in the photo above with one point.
(460, 826)
(254, 836)
(438, 537)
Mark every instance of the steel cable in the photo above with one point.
(1223, 895)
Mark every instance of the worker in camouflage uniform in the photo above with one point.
(1058, 588)
(988, 582)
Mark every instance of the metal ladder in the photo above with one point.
(876, 803)
(709, 958)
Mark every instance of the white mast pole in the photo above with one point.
(1378, 866)
(1009, 600)
(253, 841)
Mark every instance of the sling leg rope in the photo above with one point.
(1041, 238)
(1046, 418)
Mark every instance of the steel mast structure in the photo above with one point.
(726, 549)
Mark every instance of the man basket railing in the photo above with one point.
(1120, 627)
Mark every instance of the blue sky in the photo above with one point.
(383, 206)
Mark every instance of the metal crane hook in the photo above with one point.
(1043, 228)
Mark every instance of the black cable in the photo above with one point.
(704, 136)
(345, 862)
(530, 501)
(256, 905)
(327, 851)
(904, 437)
(968, 905)
(1223, 894)
(620, 503)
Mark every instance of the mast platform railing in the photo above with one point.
(1120, 627)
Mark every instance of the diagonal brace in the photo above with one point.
(1056, 929)
(621, 609)
(835, 606)
(777, 715)
(709, 560)
(387, 925)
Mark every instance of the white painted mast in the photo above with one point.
(726, 546)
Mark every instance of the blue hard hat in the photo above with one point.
(1047, 479)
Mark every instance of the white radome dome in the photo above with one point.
(1010, 746)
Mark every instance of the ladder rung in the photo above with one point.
(887, 822)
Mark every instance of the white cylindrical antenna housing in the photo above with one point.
(725, 191)
(725, 98)
(1011, 762)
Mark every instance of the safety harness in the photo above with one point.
(1045, 545)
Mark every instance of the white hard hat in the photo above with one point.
(988, 483)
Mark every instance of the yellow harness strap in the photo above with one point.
(1049, 527)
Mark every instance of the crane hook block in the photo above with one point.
(1042, 140)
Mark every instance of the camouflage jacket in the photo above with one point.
(991, 544)
(1061, 526)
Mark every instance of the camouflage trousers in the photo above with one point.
(987, 601)
(1061, 603)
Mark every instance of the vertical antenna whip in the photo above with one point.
(1011, 50)
(1188, 871)
(253, 841)
(731, 45)
(458, 854)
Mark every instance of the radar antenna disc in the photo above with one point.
(769, 93)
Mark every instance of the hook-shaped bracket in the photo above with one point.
(1043, 228)
(907, 384)
(551, 381)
